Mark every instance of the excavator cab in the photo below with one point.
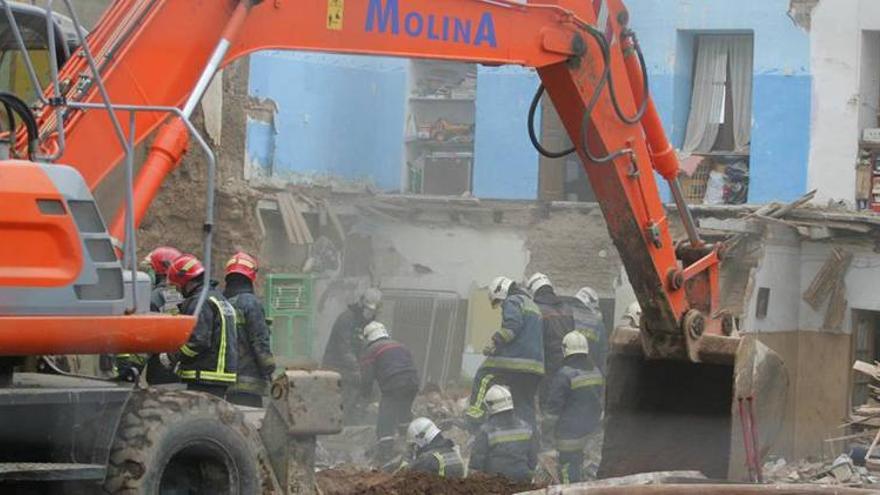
(33, 28)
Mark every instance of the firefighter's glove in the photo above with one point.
(166, 361)
(489, 349)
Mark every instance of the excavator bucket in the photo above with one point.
(672, 415)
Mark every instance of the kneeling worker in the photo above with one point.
(432, 452)
(505, 445)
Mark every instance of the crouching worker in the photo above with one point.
(432, 452)
(390, 364)
(573, 406)
(505, 445)
(208, 361)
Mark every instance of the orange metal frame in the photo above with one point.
(152, 53)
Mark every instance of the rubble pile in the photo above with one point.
(840, 471)
(352, 481)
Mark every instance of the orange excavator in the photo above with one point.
(684, 391)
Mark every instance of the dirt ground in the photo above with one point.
(354, 481)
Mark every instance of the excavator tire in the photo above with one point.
(171, 442)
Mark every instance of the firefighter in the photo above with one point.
(391, 365)
(208, 361)
(514, 356)
(163, 299)
(590, 321)
(255, 361)
(432, 452)
(632, 317)
(344, 347)
(505, 445)
(573, 406)
(557, 319)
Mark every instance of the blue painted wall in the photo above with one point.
(505, 163)
(782, 81)
(343, 116)
(338, 117)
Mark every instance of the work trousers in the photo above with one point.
(351, 396)
(523, 387)
(215, 390)
(571, 465)
(244, 398)
(395, 410)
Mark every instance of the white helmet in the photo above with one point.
(371, 298)
(589, 297)
(498, 289)
(575, 343)
(537, 281)
(375, 331)
(633, 313)
(421, 432)
(498, 399)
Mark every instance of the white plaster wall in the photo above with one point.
(778, 270)
(836, 53)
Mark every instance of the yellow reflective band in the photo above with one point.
(240, 261)
(476, 409)
(442, 462)
(587, 381)
(208, 375)
(221, 357)
(187, 351)
(189, 264)
(506, 334)
(513, 437)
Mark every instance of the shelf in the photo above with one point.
(439, 144)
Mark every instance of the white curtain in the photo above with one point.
(714, 55)
(741, 59)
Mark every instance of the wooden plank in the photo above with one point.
(301, 221)
(292, 235)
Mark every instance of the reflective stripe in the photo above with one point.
(220, 374)
(187, 351)
(476, 410)
(189, 264)
(571, 444)
(516, 364)
(586, 381)
(442, 462)
(506, 334)
(590, 334)
(207, 375)
(221, 356)
(510, 436)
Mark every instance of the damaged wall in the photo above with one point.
(339, 118)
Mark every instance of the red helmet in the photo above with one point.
(243, 264)
(183, 269)
(160, 259)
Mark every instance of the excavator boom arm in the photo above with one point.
(154, 52)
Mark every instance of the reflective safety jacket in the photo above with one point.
(557, 321)
(440, 457)
(255, 360)
(519, 344)
(591, 323)
(574, 403)
(211, 354)
(507, 446)
(389, 363)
